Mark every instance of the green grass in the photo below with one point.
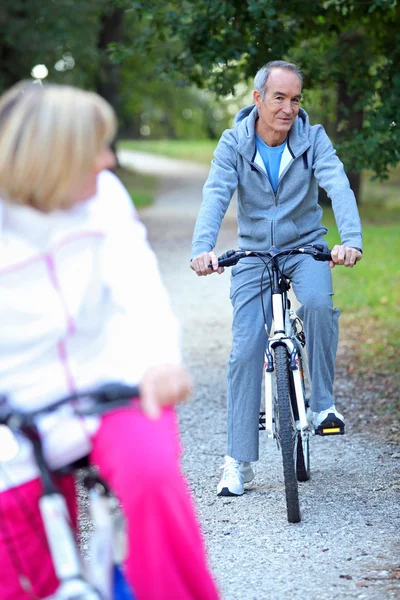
(369, 294)
(198, 151)
(142, 188)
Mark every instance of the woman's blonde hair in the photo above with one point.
(50, 137)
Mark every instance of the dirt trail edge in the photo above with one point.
(347, 544)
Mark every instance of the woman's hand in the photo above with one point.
(164, 385)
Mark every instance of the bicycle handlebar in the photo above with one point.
(232, 257)
(104, 397)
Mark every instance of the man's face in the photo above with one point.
(281, 103)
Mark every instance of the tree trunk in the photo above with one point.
(349, 118)
(111, 30)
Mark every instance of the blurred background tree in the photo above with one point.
(60, 34)
(349, 51)
(77, 42)
(182, 68)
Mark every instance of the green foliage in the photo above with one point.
(155, 101)
(359, 50)
(345, 45)
(49, 32)
(349, 51)
(203, 41)
(73, 39)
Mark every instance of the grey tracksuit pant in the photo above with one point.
(312, 284)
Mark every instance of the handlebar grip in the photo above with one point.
(227, 262)
(323, 256)
(110, 392)
(227, 259)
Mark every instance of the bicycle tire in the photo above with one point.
(287, 434)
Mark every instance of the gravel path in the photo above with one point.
(347, 545)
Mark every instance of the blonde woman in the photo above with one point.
(82, 303)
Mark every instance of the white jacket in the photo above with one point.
(81, 302)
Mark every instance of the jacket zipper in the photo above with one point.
(274, 193)
(277, 189)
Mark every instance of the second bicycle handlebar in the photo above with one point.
(103, 398)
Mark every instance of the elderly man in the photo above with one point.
(275, 160)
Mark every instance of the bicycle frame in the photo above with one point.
(283, 335)
(286, 373)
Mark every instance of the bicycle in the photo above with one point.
(103, 579)
(287, 417)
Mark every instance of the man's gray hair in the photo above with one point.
(260, 80)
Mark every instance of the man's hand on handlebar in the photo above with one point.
(164, 385)
(201, 264)
(344, 255)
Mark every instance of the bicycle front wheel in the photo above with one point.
(287, 434)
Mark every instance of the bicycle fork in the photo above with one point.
(59, 533)
(302, 423)
(280, 337)
(108, 542)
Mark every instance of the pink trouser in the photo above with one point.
(139, 459)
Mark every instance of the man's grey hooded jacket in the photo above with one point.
(291, 216)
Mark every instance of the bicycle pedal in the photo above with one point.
(330, 426)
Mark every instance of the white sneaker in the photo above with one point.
(236, 474)
(329, 422)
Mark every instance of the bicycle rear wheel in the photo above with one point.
(287, 434)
